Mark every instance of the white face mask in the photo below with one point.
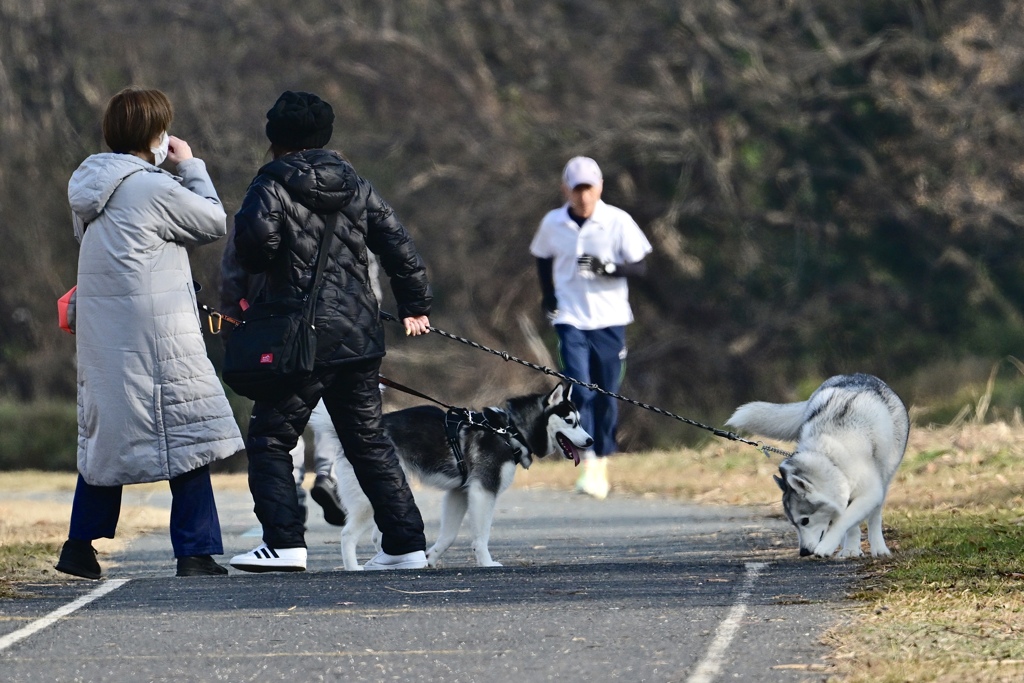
(161, 152)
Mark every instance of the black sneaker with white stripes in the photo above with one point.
(267, 559)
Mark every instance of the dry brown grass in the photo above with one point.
(944, 467)
(32, 531)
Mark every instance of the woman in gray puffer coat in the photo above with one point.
(150, 405)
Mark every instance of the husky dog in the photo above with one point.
(537, 424)
(850, 434)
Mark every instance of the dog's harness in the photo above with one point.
(457, 418)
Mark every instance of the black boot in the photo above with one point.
(78, 558)
(199, 565)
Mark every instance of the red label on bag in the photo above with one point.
(266, 358)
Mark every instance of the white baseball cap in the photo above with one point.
(581, 171)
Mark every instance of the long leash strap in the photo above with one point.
(412, 392)
(732, 436)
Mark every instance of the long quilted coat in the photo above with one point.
(150, 406)
(277, 232)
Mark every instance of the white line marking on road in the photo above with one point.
(711, 665)
(39, 624)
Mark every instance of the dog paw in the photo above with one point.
(857, 552)
(825, 549)
(881, 552)
(492, 563)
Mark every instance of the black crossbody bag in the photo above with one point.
(273, 351)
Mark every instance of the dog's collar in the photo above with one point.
(517, 435)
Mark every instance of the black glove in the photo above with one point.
(592, 264)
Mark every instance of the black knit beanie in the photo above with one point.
(300, 120)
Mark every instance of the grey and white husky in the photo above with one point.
(851, 434)
(537, 424)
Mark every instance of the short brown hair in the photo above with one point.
(134, 117)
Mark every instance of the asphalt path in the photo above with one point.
(630, 588)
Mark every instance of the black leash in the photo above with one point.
(732, 436)
(454, 420)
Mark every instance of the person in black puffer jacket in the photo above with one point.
(277, 232)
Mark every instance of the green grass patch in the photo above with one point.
(42, 435)
(919, 459)
(947, 607)
(976, 550)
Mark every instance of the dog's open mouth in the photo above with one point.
(568, 448)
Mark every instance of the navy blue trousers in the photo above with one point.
(195, 526)
(595, 357)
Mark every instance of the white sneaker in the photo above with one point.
(413, 560)
(594, 480)
(267, 559)
(587, 460)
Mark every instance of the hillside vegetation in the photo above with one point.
(828, 186)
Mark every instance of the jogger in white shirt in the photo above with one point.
(585, 251)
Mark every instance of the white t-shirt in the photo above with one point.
(611, 235)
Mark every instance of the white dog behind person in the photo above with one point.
(586, 250)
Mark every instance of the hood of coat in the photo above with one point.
(93, 183)
(319, 179)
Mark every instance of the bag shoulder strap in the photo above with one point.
(321, 261)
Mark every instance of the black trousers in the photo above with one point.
(352, 397)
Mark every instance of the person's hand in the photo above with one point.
(415, 326)
(178, 150)
(549, 305)
(594, 266)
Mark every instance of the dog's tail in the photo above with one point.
(774, 420)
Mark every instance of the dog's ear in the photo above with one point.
(496, 417)
(556, 396)
(781, 482)
(800, 485)
(568, 393)
(791, 479)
